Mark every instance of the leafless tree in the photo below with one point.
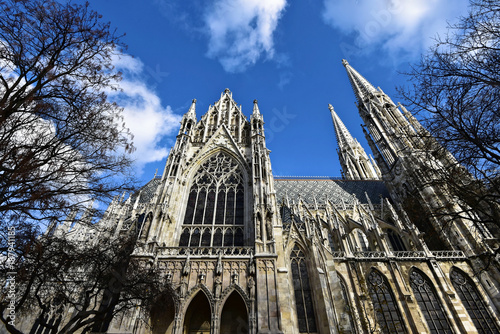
(88, 283)
(61, 141)
(62, 144)
(456, 92)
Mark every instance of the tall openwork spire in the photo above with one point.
(355, 163)
(362, 88)
(391, 132)
(344, 138)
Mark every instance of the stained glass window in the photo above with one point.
(387, 312)
(473, 302)
(429, 303)
(302, 290)
(215, 205)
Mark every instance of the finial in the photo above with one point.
(330, 107)
(226, 90)
(192, 109)
(256, 110)
(156, 173)
(345, 62)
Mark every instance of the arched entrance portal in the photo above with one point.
(198, 316)
(234, 318)
(162, 315)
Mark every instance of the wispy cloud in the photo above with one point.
(145, 116)
(241, 31)
(403, 28)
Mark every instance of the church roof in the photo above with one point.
(308, 189)
(147, 191)
(332, 189)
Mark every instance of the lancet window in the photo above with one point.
(302, 291)
(360, 240)
(473, 303)
(396, 241)
(215, 208)
(429, 303)
(347, 312)
(387, 312)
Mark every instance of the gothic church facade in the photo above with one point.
(246, 252)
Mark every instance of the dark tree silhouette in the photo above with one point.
(62, 144)
(61, 141)
(96, 280)
(456, 92)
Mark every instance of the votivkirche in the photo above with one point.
(243, 251)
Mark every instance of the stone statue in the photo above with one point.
(269, 229)
(218, 287)
(251, 287)
(183, 289)
(187, 266)
(218, 267)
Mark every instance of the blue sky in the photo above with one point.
(285, 54)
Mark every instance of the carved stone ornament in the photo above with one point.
(183, 289)
(201, 277)
(234, 277)
(251, 287)
(218, 268)
(218, 288)
(187, 266)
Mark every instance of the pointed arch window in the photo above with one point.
(387, 312)
(395, 241)
(302, 290)
(360, 241)
(347, 312)
(215, 205)
(473, 302)
(429, 303)
(330, 240)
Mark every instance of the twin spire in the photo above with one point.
(353, 159)
(344, 138)
(362, 88)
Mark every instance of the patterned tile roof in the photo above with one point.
(335, 190)
(147, 191)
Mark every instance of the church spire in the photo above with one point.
(256, 110)
(189, 119)
(391, 132)
(354, 161)
(344, 138)
(192, 110)
(362, 88)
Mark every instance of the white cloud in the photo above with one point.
(400, 27)
(240, 31)
(143, 113)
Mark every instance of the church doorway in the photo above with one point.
(162, 315)
(198, 316)
(234, 318)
